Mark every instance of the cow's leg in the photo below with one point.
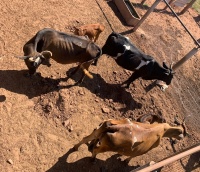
(73, 72)
(101, 145)
(96, 37)
(85, 67)
(132, 78)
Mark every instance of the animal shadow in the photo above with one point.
(85, 164)
(15, 81)
(108, 91)
(193, 162)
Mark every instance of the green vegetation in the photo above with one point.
(196, 6)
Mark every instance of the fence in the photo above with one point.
(192, 164)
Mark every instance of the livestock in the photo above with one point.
(91, 30)
(128, 138)
(61, 47)
(128, 56)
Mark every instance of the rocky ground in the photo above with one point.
(41, 118)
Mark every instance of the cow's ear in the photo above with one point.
(165, 65)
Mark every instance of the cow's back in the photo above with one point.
(131, 139)
(65, 48)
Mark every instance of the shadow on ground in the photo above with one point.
(193, 162)
(112, 164)
(108, 91)
(15, 81)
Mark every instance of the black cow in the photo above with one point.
(61, 47)
(128, 56)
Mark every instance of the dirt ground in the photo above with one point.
(41, 119)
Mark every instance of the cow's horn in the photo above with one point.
(171, 65)
(47, 52)
(23, 57)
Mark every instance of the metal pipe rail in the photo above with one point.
(195, 41)
(189, 54)
(170, 160)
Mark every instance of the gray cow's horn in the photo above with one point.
(23, 57)
(46, 53)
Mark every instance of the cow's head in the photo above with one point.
(115, 44)
(168, 74)
(173, 132)
(33, 62)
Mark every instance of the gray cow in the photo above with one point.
(61, 47)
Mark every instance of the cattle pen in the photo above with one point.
(42, 117)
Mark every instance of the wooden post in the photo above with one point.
(143, 1)
(187, 6)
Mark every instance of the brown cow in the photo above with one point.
(128, 138)
(91, 30)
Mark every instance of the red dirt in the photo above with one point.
(40, 122)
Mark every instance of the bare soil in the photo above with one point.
(41, 118)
